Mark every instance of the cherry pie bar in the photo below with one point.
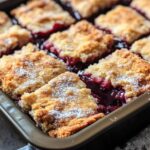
(27, 70)
(80, 45)
(63, 106)
(125, 23)
(142, 48)
(5, 22)
(42, 17)
(86, 8)
(142, 6)
(15, 37)
(118, 78)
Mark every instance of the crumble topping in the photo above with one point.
(124, 22)
(129, 72)
(142, 47)
(5, 22)
(54, 108)
(82, 41)
(143, 6)
(88, 7)
(13, 38)
(41, 15)
(27, 70)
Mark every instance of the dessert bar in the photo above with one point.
(118, 78)
(13, 38)
(124, 22)
(27, 70)
(80, 45)
(42, 17)
(63, 106)
(86, 8)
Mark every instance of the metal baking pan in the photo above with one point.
(35, 136)
(107, 128)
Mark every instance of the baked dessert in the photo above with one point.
(80, 45)
(118, 78)
(42, 17)
(13, 38)
(125, 23)
(142, 6)
(27, 70)
(142, 48)
(63, 106)
(86, 8)
(106, 76)
(5, 22)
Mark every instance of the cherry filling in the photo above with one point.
(8, 51)
(56, 27)
(107, 97)
(74, 64)
(78, 16)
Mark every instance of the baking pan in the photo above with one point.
(105, 126)
(35, 136)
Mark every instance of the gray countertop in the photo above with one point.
(10, 139)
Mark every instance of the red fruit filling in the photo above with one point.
(56, 27)
(74, 64)
(107, 97)
(9, 51)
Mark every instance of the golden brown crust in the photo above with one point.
(74, 126)
(5, 22)
(124, 22)
(41, 15)
(82, 41)
(124, 69)
(142, 47)
(88, 7)
(27, 70)
(13, 38)
(59, 104)
(143, 6)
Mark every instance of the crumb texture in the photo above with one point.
(42, 15)
(129, 72)
(88, 7)
(124, 22)
(63, 106)
(27, 70)
(81, 41)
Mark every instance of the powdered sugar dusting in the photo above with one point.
(27, 71)
(23, 72)
(30, 74)
(66, 91)
(29, 83)
(133, 80)
(72, 113)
